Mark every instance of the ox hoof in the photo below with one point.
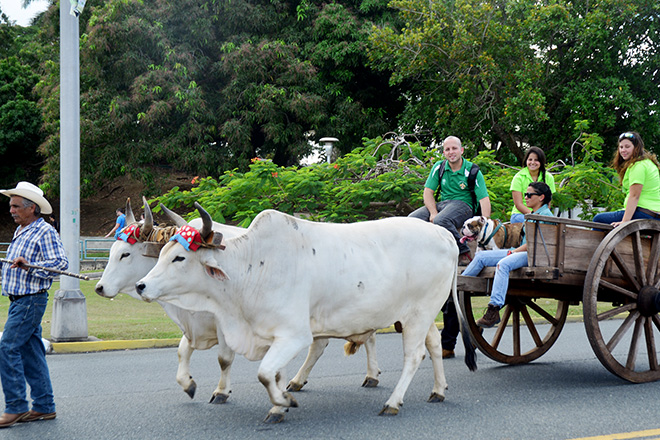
(370, 382)
(435, 398)
(191, 389)
(388, 411)
(218, 399)
(274, 418)
(294, 386)
(292, 402)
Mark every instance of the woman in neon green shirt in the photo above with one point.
(534, 171)
(639, 172)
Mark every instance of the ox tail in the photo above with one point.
(470, 352)
(350, 348)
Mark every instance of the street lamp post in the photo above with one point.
(69, 308)
(328, 143)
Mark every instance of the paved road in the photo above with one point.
(133, 395)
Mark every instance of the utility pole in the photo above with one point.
(69, 307)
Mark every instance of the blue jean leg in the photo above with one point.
(451, 216)
(505, 264)
(23, 357)
(517, 218)
(617, 216)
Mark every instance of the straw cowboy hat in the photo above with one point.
(31, 192)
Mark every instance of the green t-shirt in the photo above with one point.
(646, 173)
(521, 181)
(455, 184)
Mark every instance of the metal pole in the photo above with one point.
(69, 307)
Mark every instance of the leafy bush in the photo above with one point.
(385, 177)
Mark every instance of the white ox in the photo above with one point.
(288, 281)
(128, 263)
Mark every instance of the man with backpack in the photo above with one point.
(461, 189)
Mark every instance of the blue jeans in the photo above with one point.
(504, 264)
(23, 357)
(517, 218)
(451, 216)
(617, 216)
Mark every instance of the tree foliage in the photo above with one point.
(20, 115)
(204, 86)
(383, 178)
(509, 74)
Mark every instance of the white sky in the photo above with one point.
(13, 9)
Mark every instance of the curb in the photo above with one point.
(89, 346)
(133, 344)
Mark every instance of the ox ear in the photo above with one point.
(213, 269)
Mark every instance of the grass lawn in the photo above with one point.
(122, 317)
(127, 318)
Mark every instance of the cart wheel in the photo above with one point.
(623, 279)
(521, 341)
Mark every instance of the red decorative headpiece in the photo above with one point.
(130, 234)
(188, 237)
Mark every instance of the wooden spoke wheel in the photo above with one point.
(521, 336)
(618, 300)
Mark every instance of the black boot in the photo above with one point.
(490, 318)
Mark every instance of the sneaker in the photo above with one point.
(464, 259)
(448, 354)
(490, 318)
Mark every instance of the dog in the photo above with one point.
(491, 234)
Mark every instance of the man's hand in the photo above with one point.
(20, 263)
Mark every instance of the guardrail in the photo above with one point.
(91, 249)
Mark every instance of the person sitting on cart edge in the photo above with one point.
(538, 197)
(462, 190)
(639, 171)
(458, 201)
(22, 353)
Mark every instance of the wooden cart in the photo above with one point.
(613, 272)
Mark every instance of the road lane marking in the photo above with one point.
(650, 434)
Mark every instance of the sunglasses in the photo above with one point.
(529, 195)
(627, 135)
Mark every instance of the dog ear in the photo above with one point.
(482, 220)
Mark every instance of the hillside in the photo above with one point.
(97, 213)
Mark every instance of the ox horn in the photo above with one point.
(176, 218)
(148, 225)
(207, 222)
(130, 218)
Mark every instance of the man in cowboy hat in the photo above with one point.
(22, 353)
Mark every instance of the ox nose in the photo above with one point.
(139, 287)
(99, 289)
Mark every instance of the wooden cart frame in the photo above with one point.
(613, 272)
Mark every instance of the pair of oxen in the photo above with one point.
(285, 284)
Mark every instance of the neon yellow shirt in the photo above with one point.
(645, 173)
(521, 181)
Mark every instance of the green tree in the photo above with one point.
(505, 73)
(20, 116)
(206, 86)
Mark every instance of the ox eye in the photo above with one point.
(124, 255)
(178, 258)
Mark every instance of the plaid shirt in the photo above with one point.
(40, 245)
